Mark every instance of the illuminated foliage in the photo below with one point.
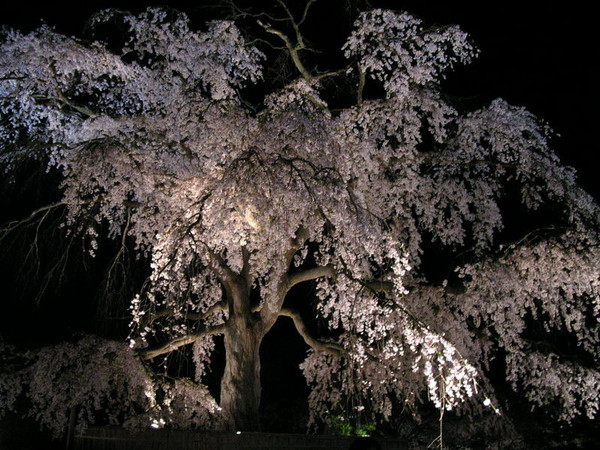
(235, 205)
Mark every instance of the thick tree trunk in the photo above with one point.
(240, 386)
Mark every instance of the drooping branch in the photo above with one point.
(327, 347)
(122, 246)
(10, 226)
(305, 13)
(219, 306)
(174, 344)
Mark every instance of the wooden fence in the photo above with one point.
(107, 438)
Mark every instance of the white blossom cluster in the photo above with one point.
(186, 405)
(396, 49)
(394, 354)
(157, 143)
(58, 378)
(103, 382)
(217, 59)
(555, 282)
(11, 380)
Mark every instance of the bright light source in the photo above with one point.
(157, 423)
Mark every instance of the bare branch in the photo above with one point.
(10, 226)
(237, 13)
(327, 347)
(310, 274)
(292, 49)
(296, 25)
(305, 13)
(334, 73)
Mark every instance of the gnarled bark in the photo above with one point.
(240, 385)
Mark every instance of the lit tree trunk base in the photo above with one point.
(240, 386)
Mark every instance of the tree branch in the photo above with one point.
(174, 344)
(305, 13)
(310, 274)
(10, 226)
(219, 306)
(296, 244)
(361, 86)
(379, 286)
(245, 273)
(327, 347)
(122, 247)
(283, 284)
(222, 271)
(296, 25)
(292, 49)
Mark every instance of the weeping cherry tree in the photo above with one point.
(234, 204)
